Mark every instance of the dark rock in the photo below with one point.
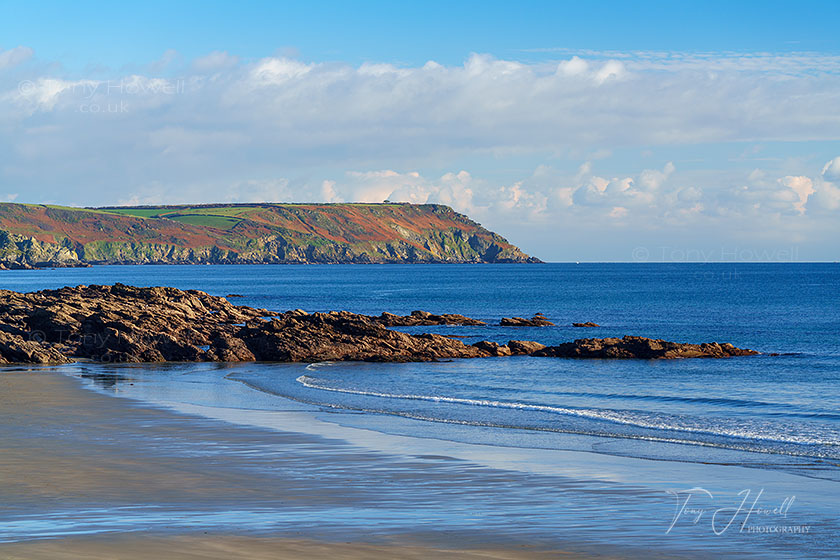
(118, 323)
(523, 347)
(493, 348)
(537, 320)
(640, 348)
(226, 348)
(340, 336)
(588, 324)
(127, 324)
(17, 349)
(425, 319)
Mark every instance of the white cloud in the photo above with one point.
(216, 60)
(826, 197)
(328, 192)
(831, 171)
(826, 194)
(575, 66)
(802, 186)
(275, 71)
(612, 69)
(231, 129)
(618, 212)
(15, 56)
(263, 190)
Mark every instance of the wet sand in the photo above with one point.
(86, 475)
(65, 451)
(123, 547)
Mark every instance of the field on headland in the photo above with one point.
(44, 235)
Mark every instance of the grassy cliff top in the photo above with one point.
(351, 232)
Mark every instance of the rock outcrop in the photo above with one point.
(638, 347)
(588, 324)
(524, 347)
(425, 319)
(537, 320)
(18, 349)
(127, 324)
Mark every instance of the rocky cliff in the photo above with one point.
(42, 235)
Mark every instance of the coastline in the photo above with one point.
(287, 474)
(59, 459)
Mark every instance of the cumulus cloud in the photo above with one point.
(216, 60)
(803, 187)
(221, 128)
(15, 56)
(826, 193)
(575, 66)
(298, 110)
(831, 171)
(612, 69)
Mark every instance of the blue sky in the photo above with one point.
(581, 131)
(113, 34)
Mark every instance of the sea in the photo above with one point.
(771, 417)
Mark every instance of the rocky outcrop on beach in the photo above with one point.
(19, 349)
(117, 323)
(127, 324)
(340, 335)
(537, 320)
(637, 347)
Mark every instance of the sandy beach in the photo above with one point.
(87, 475)
(245, 548)
(64, 449)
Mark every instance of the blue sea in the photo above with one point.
(772, 415)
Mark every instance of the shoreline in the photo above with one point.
(322, 422)
(257, 463)
(58, 465)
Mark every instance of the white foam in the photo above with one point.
(627, 418)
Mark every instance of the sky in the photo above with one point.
(580, 131)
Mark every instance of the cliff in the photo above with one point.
(43, 235)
